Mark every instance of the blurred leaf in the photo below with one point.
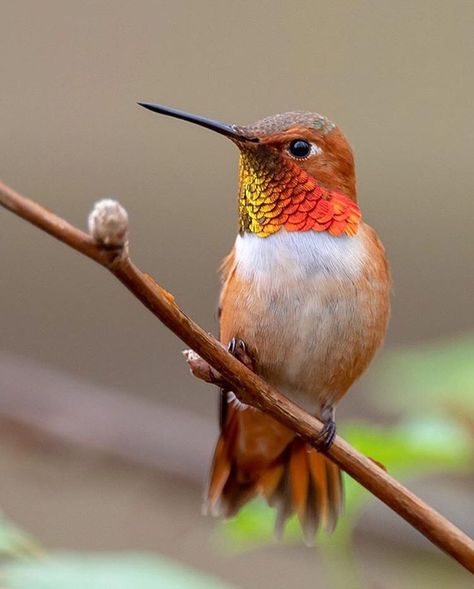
(105, 571)
(423, 445)
(14, 542)
(429, 378)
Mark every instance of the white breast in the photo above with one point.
(286, 256)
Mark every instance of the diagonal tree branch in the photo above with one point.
(250, 387)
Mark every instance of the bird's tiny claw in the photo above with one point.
(238, 349)
(326, 438)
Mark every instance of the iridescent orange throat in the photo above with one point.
(276, 193)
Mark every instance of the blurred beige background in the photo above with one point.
(396, 76)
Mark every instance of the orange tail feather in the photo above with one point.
(271, 462)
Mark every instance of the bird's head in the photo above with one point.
(296, 173)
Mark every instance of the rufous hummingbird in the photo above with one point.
(305, 296)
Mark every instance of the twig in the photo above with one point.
(250, 387)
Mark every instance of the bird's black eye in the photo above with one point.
(299, 148)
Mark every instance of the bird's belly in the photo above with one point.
(307, 312)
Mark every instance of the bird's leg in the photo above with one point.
(325, 439)
(238, 349)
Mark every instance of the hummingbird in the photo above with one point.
(305, 302)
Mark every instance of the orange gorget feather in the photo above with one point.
(276, 193)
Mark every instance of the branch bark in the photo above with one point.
(250, 387)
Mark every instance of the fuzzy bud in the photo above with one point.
(108, 223)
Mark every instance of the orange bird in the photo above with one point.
(305, 297)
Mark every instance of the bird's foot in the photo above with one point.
(238, 349)
(324, 440)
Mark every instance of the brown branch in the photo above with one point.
(251, 388)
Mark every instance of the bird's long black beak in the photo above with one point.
(231, 131)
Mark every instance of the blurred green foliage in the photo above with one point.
(432, 378)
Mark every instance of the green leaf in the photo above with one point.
(421, 446)
(104, 571)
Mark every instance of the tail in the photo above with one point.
(256, 456)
